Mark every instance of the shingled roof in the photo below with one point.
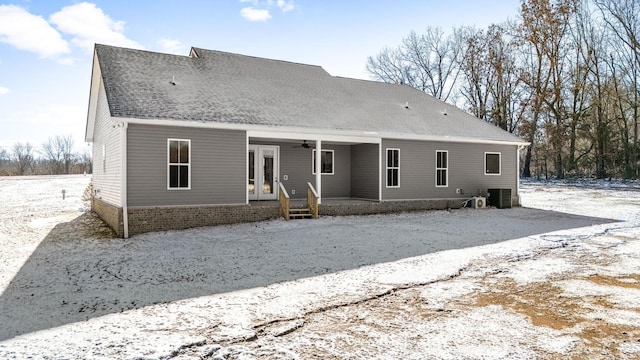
(218, 87)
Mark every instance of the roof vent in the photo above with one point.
(406, 105)
(173, 81)
(444, 112)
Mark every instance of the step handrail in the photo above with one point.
(312, 200)
(284, 201)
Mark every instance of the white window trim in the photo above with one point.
(499, 163)
(446, 169)
(104, 158)
(387, 168)
(333, 161)
(181, 164)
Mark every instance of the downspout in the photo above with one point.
(246, 170)
(518, 148)
(125, 208)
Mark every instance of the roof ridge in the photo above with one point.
(136, 50)
(196, 49)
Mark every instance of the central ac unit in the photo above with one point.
(478, 202)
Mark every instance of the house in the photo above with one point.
(216, 138)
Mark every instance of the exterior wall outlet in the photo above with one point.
(285, 177)
(293, 191)
(457, 191)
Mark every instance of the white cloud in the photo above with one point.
(259, 11)
(285, 6)
(89, 25)
(252, 14)
(30, 32)
(4, 90)
(172, 46)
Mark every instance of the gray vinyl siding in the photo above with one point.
(338, 185)
(107, 171)
(364, 171)
(218, 166)
(296, 163)
(465, 170)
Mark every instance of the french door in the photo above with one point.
(263, 162)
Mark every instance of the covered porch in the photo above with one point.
(336, 167)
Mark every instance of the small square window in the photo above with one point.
(326, 162)
(492, 163)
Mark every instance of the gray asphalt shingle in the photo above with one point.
(221, 87)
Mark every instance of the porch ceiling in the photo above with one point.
(257, 140)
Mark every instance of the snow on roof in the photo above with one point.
(218, 87)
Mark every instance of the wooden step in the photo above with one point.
(301, 213)
(299, 210)
(300, 216)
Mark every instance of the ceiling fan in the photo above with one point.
(304, 145)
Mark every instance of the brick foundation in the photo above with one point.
(164, 218)
(110, 214)
(384, 207)
(148, 219)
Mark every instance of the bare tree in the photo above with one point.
(623, 20)
(428, 62)
(86, 161)
(489, 81)
(542, 36)
(23, 157)
(389, 66)
(5, 161)
(476, 73)
(58, 152)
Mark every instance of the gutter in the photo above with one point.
(288, 132)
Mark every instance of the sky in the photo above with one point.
(46, 46)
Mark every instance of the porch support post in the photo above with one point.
(381, 173)
(319, 170)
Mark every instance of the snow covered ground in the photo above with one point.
(557, 278)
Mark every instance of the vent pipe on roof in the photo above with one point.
(406, 105)
(173, 80)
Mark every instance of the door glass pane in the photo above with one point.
(252, 176)
(267, 183)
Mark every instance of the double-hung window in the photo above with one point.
(393, 168)
(492, 163)
(326, 162)
(442, 168)
(179, 164)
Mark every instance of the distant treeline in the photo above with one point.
(563, 76)
(54, 157)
